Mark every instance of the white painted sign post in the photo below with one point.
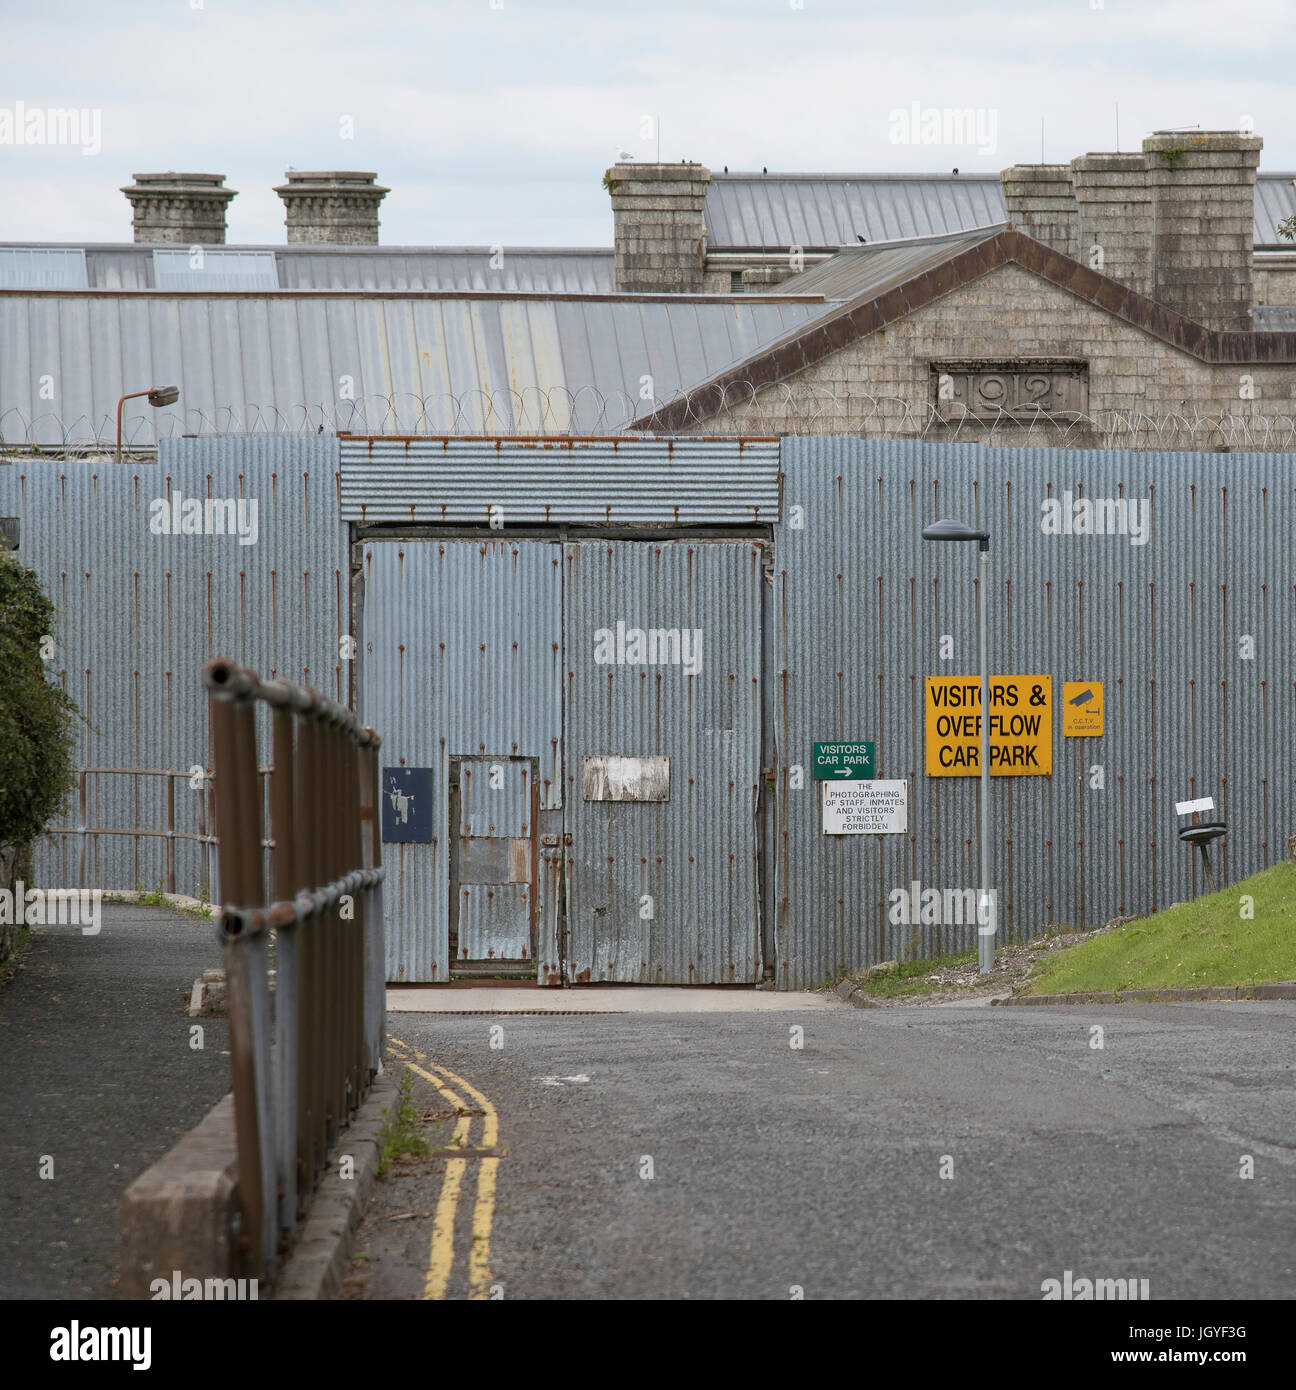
(865, 808)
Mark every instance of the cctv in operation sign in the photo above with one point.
(1021, 726)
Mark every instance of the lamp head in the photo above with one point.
(953, 531)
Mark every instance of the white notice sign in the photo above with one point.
(865, 808)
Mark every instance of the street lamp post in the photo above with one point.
(957, 531)
(157, 396)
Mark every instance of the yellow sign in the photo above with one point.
(1021, 726)
(1082, 709)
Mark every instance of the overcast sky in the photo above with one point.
(493, 120)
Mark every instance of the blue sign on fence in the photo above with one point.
(407, 805)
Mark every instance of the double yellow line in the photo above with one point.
(441, 1253)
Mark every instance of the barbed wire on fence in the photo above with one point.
(735, 408)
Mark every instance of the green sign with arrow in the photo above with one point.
(843, 762)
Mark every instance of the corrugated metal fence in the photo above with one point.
(142, 609)
(1191, 634)
(1192, 709)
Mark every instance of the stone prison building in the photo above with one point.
(1143, 300)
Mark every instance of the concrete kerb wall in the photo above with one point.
(1281, 989)
(181, 1215)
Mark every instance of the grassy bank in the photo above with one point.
(1206, 942)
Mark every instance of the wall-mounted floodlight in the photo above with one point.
(157, 396)
(957, 531)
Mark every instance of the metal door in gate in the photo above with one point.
(494, 805)
(662, 721)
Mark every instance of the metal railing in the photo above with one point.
(87, 833)
(303, 1052)
(88, 873)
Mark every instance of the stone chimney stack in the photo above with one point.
(332, 209)
(1042, 204)
(1203, 209)
(179, 209)
(659, 227)
(1114, 208)
(1174, 222)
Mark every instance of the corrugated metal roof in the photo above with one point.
(775, 211)
(743, 211)
(525, 269)
(872, 270)
(214, 268)
(37, 267)
(509, 269)
(615, 482)
(249, 363)
(1275, 201)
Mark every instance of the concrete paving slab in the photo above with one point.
(623, 999)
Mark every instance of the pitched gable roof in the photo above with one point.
(880, 265)
(911, 288)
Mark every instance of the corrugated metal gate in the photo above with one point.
(462, 651)
(481, 654)
(663, 646)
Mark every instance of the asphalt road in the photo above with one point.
(99, 1076)
(818, 1168)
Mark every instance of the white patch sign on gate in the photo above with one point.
(865, 808)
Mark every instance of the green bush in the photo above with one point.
(36, 736)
